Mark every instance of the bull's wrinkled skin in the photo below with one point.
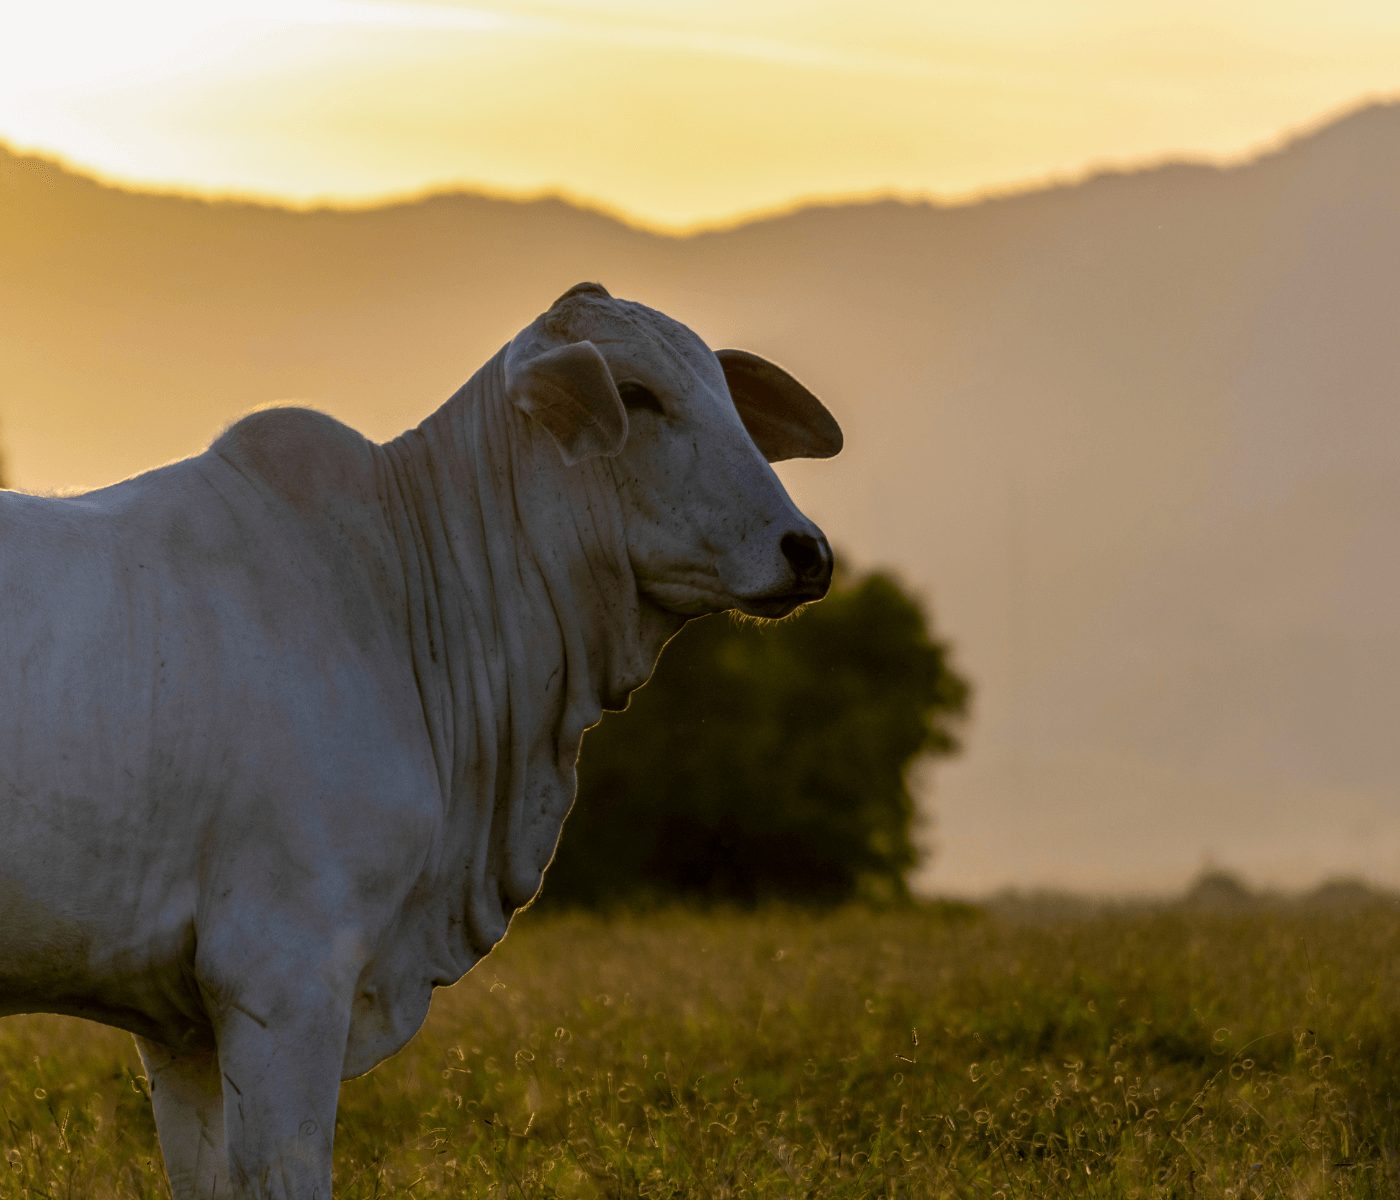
(288, 730)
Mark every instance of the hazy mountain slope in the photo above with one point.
(1139, 438)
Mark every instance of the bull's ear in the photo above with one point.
(571, 393)
(784, 419)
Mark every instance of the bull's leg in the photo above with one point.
(281, 1054)
(188, 1099)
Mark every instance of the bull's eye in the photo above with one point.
(637, 396)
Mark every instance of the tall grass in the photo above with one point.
(852, 1055)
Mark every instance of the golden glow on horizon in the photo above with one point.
(675, 112)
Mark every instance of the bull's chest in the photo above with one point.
(384, 1016)
(494, 850)
(395, 988)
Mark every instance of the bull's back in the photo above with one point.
(163, 642)
(206, 675)
(101, 599)
(86, 633)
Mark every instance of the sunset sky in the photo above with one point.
(673, 112)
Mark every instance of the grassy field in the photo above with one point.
(856, 1054)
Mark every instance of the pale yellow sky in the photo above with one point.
(674, 112)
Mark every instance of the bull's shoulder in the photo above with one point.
(307, 458)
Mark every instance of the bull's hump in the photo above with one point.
(306, 457)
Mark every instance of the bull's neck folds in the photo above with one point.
(524, 622)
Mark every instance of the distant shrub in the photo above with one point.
(1346, 893)
(1218, 888)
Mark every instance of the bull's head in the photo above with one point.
(690, 433)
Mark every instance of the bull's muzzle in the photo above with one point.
(809, 558)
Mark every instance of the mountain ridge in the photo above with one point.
(1373, 109)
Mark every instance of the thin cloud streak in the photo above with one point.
(418, 14)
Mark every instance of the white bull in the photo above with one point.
(288, 729)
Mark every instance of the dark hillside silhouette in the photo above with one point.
(1138, 435)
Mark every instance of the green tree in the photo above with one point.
(768, 761)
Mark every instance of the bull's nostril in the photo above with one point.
(807, 555)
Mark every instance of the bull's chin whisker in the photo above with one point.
(740, 617)
(744, 615)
